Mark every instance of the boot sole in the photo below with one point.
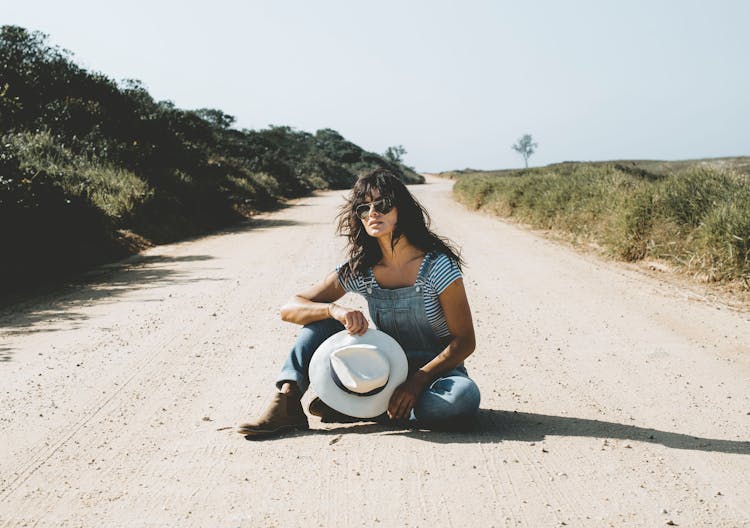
(270, 432)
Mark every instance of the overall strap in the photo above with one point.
(424, 270)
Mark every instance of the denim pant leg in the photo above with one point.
(298, 361)
(449, 398)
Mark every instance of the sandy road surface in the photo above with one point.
(609, 398)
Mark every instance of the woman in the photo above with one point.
(412, 281)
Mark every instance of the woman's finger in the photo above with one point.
(395, 412)
(394, 399)
(351, 322)
(402, 404)
(394, 402)
(355, 323)
(404, 408)
(361, 324)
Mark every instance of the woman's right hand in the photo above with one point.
(354, 321)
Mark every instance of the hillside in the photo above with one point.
(652, 168)
(692, 216)
(92, 169)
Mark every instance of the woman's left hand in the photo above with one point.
(405, 396)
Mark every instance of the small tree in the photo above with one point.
(525, 146)
(395, 154)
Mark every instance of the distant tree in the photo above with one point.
(395, 154)
(525, 146)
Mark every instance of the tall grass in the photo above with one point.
(114, 190)
(697, 218)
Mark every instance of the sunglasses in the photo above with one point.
(380, 206)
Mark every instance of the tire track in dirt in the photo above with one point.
(592, 356)
(40, 455)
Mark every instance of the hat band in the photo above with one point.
(346, 389)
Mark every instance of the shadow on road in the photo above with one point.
(61, 301)
(260, 223)
(104, 284)
(254, 224)
(4, 354)
(492, 426)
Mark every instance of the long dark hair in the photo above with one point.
(413, 223)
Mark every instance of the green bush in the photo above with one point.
(86, 157)
(697, 217)
(114, 190)
(78, 235)
(687, 197)
(722, 239)
(630, 238)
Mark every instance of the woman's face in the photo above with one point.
(379, 224)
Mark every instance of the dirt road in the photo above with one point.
(609, 398)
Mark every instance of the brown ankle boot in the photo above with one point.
(283, 414)
(327, 414)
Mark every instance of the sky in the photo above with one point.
(455, 82)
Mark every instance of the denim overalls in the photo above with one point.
(399, 312)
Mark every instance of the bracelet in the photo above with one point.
(330, 305)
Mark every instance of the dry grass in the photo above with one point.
(694, 215)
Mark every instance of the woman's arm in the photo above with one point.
(317, 303)
(458, 316)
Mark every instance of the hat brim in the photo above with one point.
(351, 404)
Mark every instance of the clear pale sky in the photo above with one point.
(454, 82)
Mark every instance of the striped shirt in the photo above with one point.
(444, 271)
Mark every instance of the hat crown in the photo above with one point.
(361, 368)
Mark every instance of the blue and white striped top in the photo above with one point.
(442, 274)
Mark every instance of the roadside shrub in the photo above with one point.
(87, 157)
(723, 239)
(78, 236)
(114, 190)
(688, 196)
(631, 237)
(697, 218)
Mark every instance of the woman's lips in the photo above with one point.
(373, 224)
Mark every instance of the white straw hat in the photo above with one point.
(356, 375)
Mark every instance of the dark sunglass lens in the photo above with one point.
(383, 207)
(380, 206)
(362, 210)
